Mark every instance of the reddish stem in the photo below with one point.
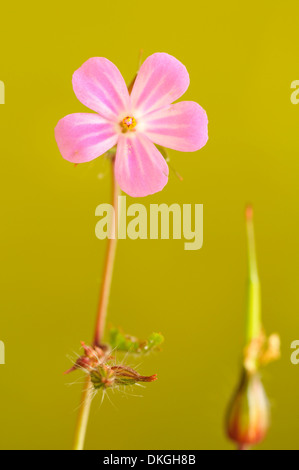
(83, 415)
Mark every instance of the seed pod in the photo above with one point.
(248, 415)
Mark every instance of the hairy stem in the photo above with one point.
(83, 415)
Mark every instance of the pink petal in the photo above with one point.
(182, 126)
(83, 137)
(161, 80)
(140, 169)
(99, 85)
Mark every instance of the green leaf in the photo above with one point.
(122, 342)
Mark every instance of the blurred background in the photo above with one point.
(242, 60)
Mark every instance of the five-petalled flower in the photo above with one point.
(134, 122)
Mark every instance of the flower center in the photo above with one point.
(128, 123)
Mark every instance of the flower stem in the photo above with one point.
(83, 415)
(108, 269)
(254, 323)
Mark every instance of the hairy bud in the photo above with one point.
(103, 371)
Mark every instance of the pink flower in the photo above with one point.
(134, 122)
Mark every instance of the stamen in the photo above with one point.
(128, 123)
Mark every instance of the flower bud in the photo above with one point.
(249, 414)
(105, 376)
(128, 376)
(93, 356)
(103, 372)
(102, 377)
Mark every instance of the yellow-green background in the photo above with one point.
(242, 59)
